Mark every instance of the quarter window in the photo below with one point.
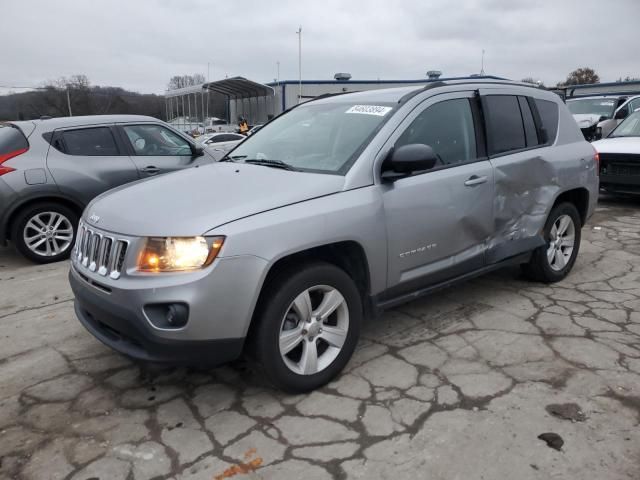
(92, 142)
(155, 140)
(548, 112)
(505, 129)
(448, 128)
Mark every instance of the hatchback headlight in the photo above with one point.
(174, 254)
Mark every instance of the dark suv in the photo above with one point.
(51, 169)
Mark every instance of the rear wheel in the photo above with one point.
(45, 232)
(308, 327)
(553, 261)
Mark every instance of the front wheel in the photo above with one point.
(553, 261)
(45, 232)
(308, 326)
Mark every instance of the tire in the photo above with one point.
(547, 265)
(281, 319)
(55, 244)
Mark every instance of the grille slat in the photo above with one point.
(100, 253)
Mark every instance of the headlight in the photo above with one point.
(174, 254)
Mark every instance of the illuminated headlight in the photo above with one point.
(175, 254)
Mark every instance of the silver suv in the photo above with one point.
(338, 209)
(51, 169)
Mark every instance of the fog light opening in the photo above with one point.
(168, 316)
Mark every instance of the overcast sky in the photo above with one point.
(139, 44)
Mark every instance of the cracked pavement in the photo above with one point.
(454, 385)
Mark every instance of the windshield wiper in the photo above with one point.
(270, 163)
(232, 158)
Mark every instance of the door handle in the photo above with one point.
(475, 180)
(151, 170)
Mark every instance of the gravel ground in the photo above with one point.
(457, 385)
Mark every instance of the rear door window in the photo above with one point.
(92, 142)
(548, 112)
(505, 129)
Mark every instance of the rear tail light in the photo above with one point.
(7, 156)
(596, 158)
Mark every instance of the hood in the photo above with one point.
(586, 120)
(618, 145)
(195, 200)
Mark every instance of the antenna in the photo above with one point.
(482, 63)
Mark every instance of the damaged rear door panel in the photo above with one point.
(532, 168)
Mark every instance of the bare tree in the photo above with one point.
(182, 81)
(581, 76)
(628, 78)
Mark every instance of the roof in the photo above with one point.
(595, 97)
(381, 82)
(239, 87)
(62, 122)
(395, 94)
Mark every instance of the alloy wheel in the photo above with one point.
(314, 330)
(561, 242)
(48, 234)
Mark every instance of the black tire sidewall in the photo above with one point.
(549, 273)
(282, 292)
(26, 214)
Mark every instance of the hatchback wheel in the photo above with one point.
(45, 232)
(308, 326)
(553, 261)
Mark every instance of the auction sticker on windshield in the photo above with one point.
(370, 110)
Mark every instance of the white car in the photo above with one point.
(209, 139)
(597, 116)
(620, 157)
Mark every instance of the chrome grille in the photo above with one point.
(100, 252)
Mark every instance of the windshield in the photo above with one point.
(593, 106)
(630, 127)
(318, 137)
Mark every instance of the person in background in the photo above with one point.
(243, 126)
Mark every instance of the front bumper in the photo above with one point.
(220, 308)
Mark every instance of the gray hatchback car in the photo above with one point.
(338, 209)
(51, 169)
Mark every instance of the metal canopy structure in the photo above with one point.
(239, 87)
(251, 100)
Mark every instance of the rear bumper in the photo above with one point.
(123, 327)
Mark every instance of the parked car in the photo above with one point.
(51, 169)
(597, 116)
(338, 209)
(620, 158)
(219, 137)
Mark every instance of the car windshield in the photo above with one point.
(630, 127)
(593, 106)
(317, 137)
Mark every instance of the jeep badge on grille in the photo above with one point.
(94, 218)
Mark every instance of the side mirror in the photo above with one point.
(621, 114)
(411, 158)
(197, 151)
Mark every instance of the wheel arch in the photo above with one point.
(7, 226)
(579, 197)
(347, 255)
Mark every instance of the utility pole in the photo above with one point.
(299, 32)
(69, 102)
